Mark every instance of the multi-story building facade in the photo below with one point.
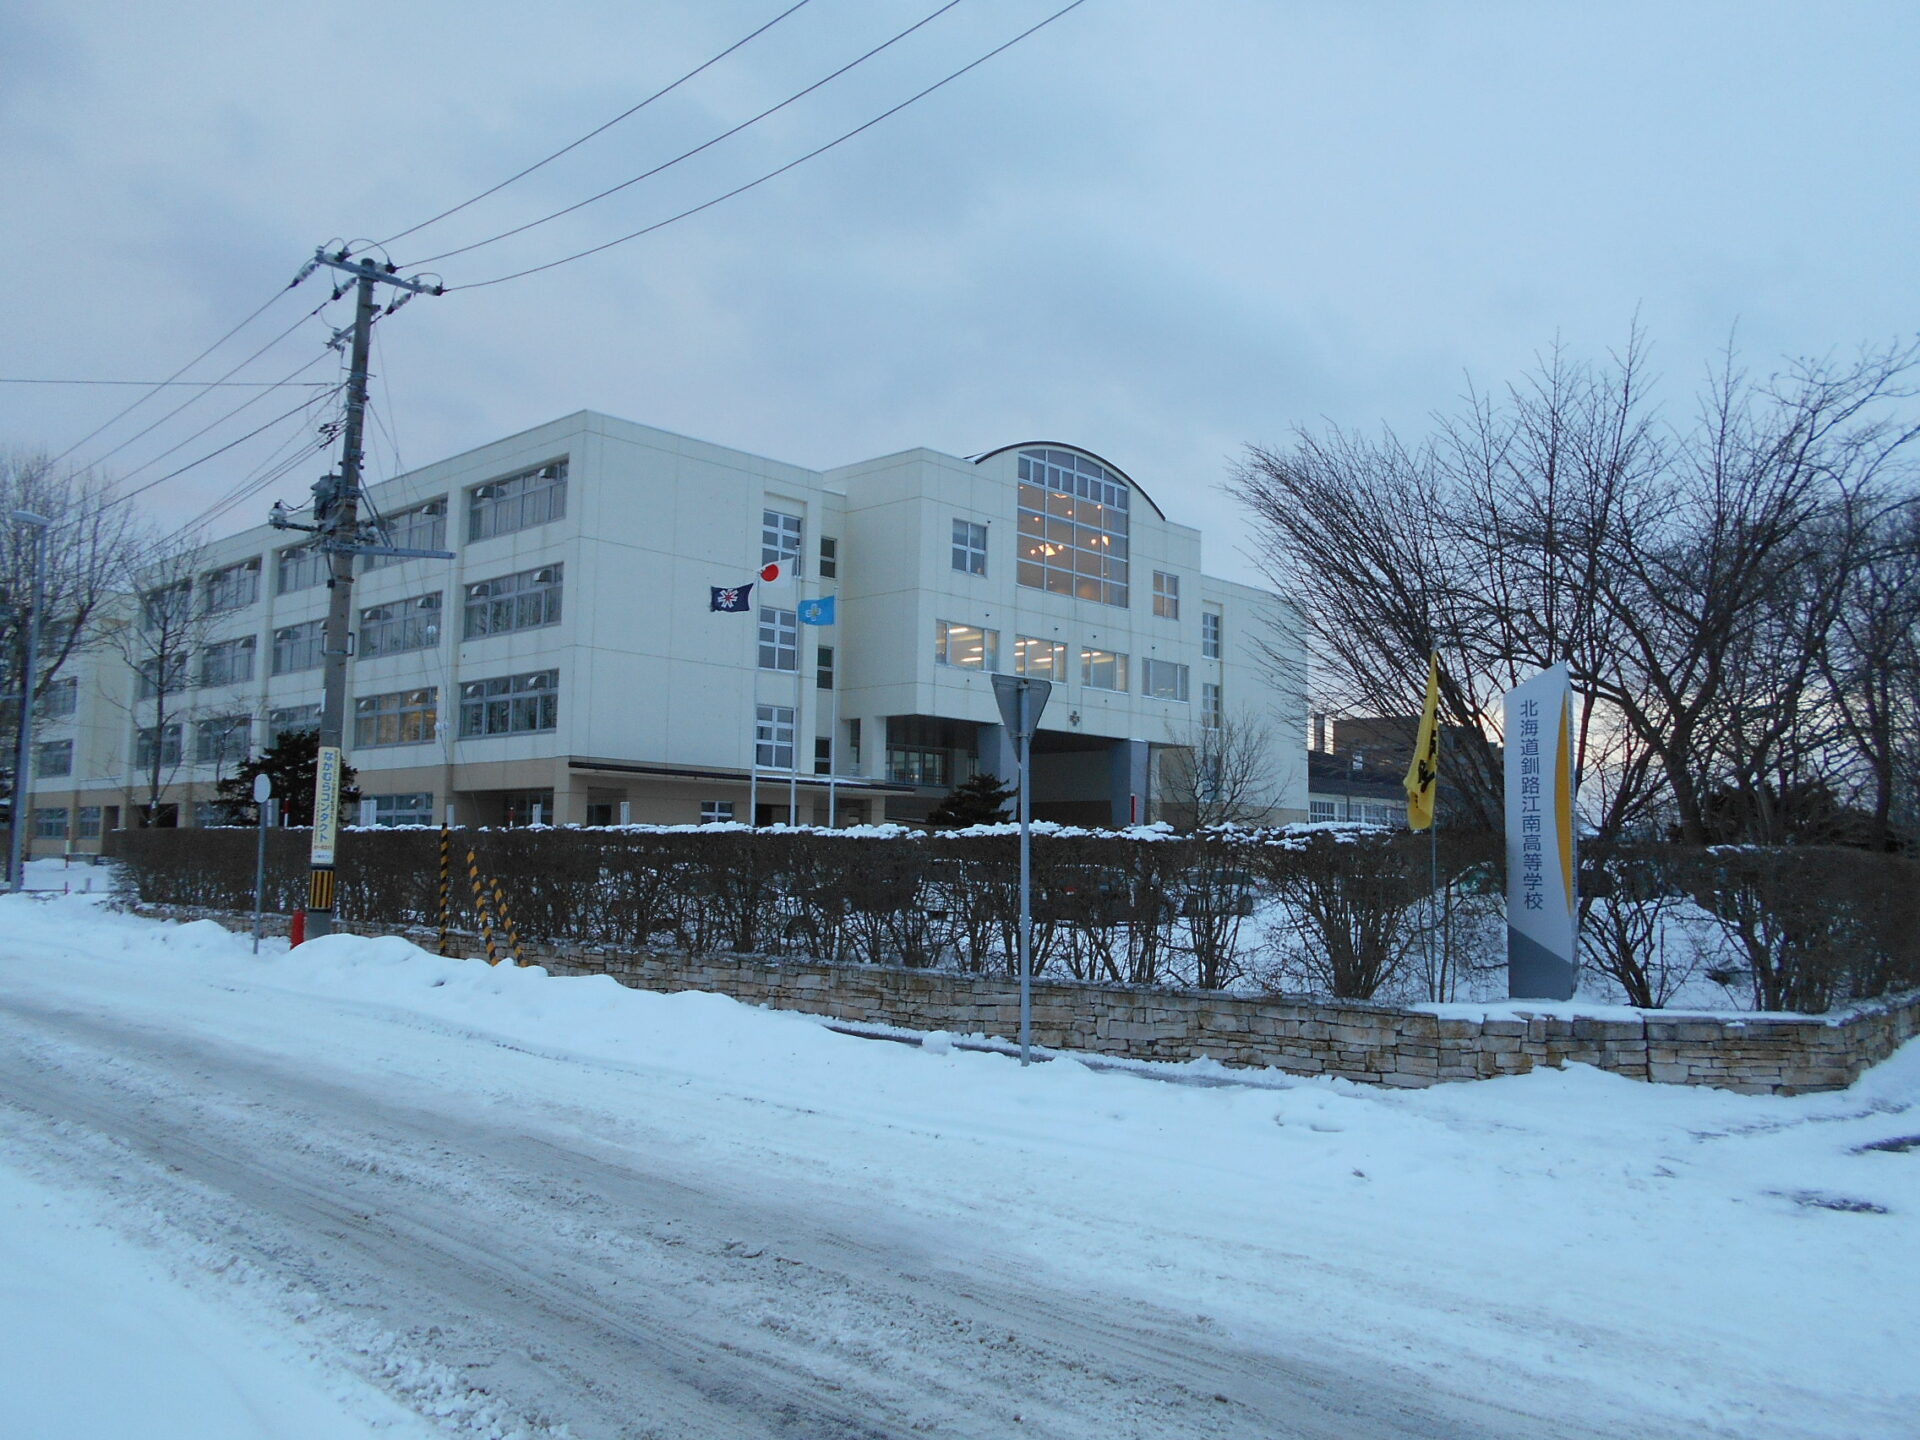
(566, 665)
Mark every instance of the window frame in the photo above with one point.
(781, 540)
(297, 641)
(299, 567)
(969, 547)
(43, 751)
(230, 587)
(768, 728)
(1166, 594)
(1153, 669)
(1074, 528)
(528, 702)
(950, 634)
(1093, 659)
(406, 621)
(1212, 633)
(411, 721)
(212, 735)
(518, 501)
(406, 531)
(1055, 670)
(228, 662)
(523, 600)
(779, 640)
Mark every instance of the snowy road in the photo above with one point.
(619, 1298)
(522, 1206)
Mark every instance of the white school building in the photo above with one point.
(567, 663)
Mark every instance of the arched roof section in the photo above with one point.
(1105, 464)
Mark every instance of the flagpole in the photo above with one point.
(833, 736)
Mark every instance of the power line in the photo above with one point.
(222, 419)
(119, 415)
(206, 385)
(704, 145)
(521, 175)
(772, 174)
(214, 454)
(162, 384)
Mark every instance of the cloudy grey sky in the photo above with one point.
(1158, 230)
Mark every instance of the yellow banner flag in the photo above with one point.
(1423, 775)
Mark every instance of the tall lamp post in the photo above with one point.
(17, 827)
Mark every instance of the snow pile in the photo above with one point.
(1660, 1260)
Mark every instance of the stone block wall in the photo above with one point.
(1378, 1044)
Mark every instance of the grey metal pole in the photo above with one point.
(1026, 878)
(262, 788)
(23, 750)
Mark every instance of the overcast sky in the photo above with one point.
(1157, 230)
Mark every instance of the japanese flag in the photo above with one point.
(778, 573)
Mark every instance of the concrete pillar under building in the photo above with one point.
(1128, 781)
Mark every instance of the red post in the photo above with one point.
(298, 931)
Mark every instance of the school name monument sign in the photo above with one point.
(1543, 906)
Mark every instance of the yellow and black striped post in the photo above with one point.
(506, 919)
(480, 907)
(446, 889)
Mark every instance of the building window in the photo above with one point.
(1103, 670)
(1212, 713)
(228, 663)
(967, 646)
(779, 639)
(400, 627)
(510, 705)
(1323, 810)
(167, 608)
(161, 745)
(1073, 520)
(1042, 659)
(59, 700)
(823, 667)
(299, 647)
(50, 824)
(1210, 634)
(911, 765)
(853, 743)
(517, 502)
(716, 812)
(405, 717)
(523, 601)
(1163, 680)
(162, 673)
(969, 547)
(222, 740)
(89, 826)
(230, 587)
(411, 809)
(290, 718)
(823, 755)
(420, 527)
(52, 759)
(773, 737)
(780, 538)
(829, 558)
(299, 567)
(1166, 595)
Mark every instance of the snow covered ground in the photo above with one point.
(357, 1189)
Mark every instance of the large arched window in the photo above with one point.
(1073, 526)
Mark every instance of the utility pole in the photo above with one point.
(336, 515)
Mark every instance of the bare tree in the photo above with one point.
(88, 543)
(1676, 569)
(1225, 769)
(158, 636)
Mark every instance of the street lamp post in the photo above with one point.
(17, 828)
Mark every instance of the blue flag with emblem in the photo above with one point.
(817, 612)
(731, 599)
